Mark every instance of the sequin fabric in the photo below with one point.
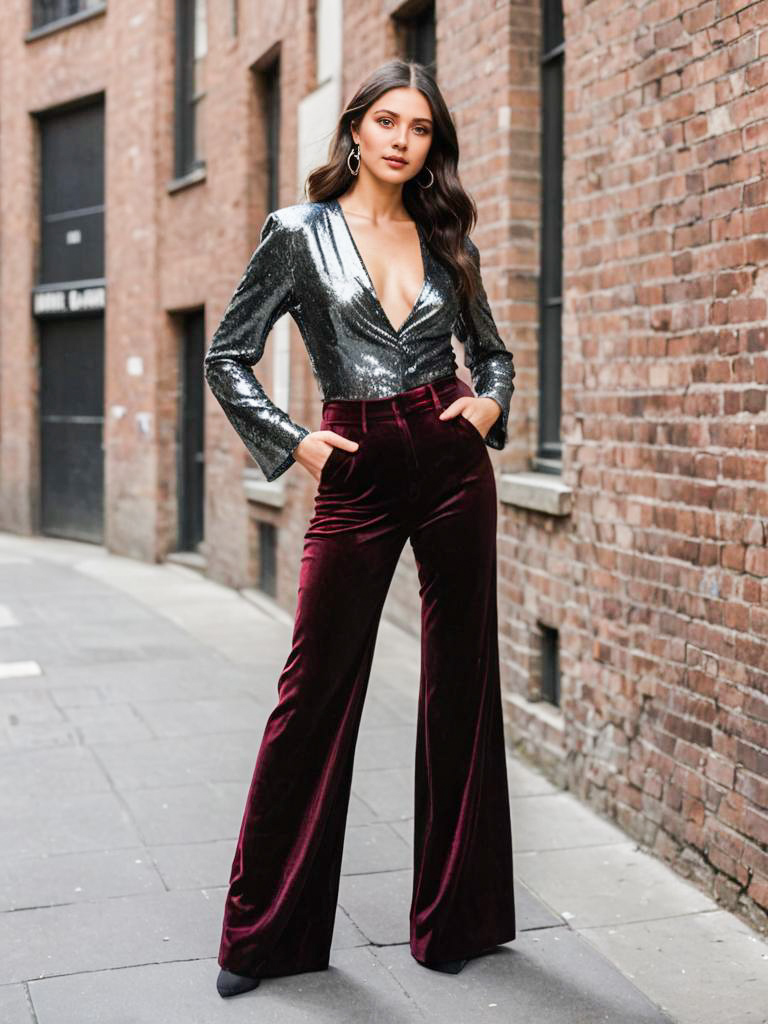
(307, 265)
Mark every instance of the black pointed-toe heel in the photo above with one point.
(231, 984)
(446, 966)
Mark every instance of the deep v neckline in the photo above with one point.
(397, 331)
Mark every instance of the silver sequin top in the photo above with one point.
(307, 264)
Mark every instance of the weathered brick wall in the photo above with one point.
(488, 71)
(33, 76)
(235, 211)
(658, 581)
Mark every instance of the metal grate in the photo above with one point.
(550, 664)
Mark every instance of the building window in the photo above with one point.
(191, 50)
(270, 106)
(416, 31)
(549, 457)
(46, 11)
(190, 470)
(550, 665)
(268, 84)
(268, 558)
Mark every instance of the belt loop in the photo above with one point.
(437, 403)
(396, 408)
(364, 420)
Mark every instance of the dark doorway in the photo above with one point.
(68, 301)
(191, 466)
(72, 427)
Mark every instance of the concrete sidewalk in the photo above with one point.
(133, 698)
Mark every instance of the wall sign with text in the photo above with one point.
(69, 301)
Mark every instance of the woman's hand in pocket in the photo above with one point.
(314, 450)
(482, 413)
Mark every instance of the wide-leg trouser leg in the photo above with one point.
(463, 896)
(284, 882)
(413, 476)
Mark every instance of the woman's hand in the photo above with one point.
(482, 413)
(315, 449)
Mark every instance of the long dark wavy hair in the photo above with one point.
(445, 211)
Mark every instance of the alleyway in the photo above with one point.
(133, 699)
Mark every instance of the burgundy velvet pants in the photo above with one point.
(428, 481)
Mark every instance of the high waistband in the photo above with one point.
(434, 394)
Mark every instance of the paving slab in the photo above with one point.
(192, 814)
(86, 643)
(167, 718)
(548, 976)
(378, 903)
(356, 988)
(558, 821)
(133, 699)
(77, 822)
(179, 760)
(631, 883)
(40, 735)
(388, 791)
(51, 879)
(15, 1005)
(202, 865)
(53, 771)
(385, 746)
(373, 848)
(705, 968)
(106, 934)
(109, 723)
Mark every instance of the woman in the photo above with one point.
(401, 456)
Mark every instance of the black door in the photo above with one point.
(72, 427)
(191, 444)
(70, 273)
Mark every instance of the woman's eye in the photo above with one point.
(422, 129)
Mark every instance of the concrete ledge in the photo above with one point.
(542, 492)
(263, 492)
(545, 712)
(192, 178)
(266, 604)
(191, 559)
(67, 21)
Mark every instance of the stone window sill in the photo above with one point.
(60, 24)
(542, 710)
(261, 491)
(193, 177)
(540, 492)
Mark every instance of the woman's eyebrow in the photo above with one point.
(383, 110)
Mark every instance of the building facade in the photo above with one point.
(617, 154)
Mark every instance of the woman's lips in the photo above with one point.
(394, 161)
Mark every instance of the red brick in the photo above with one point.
(659, 577)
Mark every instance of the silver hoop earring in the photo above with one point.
(431, 182)
(356, 156)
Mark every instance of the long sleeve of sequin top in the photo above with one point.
(264, 294)
(490, 363)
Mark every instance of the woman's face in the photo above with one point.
(399, 124)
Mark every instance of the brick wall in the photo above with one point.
(658, 581)
(237, 175)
